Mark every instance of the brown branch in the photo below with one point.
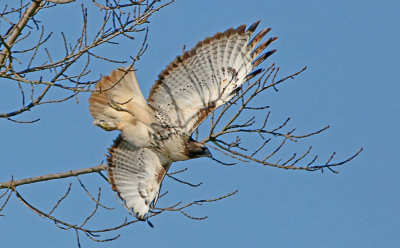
(289, 167)
(56, 220)
(17, 29)
(178, 207)
(184, 182)
(238, 151)
(118, 6)
(72, 173)
(122, 23)
(60, 1)
(61, 199)
(90, 195)
(7, 199)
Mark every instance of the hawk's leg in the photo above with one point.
(117, 106)
(106, 126)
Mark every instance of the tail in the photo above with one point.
(118, 99)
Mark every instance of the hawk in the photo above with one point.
(157, 132)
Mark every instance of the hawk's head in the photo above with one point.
(196, 149)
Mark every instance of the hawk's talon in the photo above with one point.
(106, 126)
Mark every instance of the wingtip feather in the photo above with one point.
(264, 45)
(263, 57)
(253, 26)
(241, 29)
(253, 43)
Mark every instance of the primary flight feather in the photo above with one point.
(157, 132)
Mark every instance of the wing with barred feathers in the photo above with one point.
(136, 175)
(209, 75)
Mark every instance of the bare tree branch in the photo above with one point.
(17, 29)
(120, 20)
(240, 105)
(72, 173)
(60, 1)
(239, 132)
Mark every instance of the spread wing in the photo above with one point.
(136, 174)
(207, 76)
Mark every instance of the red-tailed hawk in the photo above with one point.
(158, 132)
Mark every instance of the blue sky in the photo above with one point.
(352, 84)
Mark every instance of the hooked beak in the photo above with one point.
(207, 153)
